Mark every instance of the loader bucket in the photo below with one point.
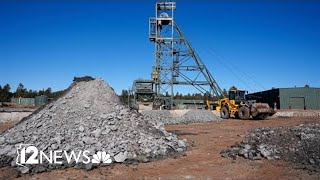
(261, 111)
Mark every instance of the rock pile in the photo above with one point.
(195, 116)
(88, 116)
(296, 114)
(299, 144)
(158, 116)
(191, 116)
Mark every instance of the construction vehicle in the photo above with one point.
(237, 106)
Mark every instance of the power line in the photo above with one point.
(231, 71)
(219, 57)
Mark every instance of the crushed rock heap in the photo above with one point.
(192, 116)
(88, 116)
(299, 144)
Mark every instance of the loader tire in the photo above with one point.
(244, 113)
(224, 113)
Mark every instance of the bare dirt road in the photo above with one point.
(201, 161)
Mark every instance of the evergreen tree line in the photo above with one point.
(21, 91)
(195, 96)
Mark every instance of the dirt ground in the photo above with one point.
(201, 161)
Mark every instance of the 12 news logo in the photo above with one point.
(29, 154)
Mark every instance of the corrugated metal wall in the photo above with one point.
(40, 100)
(300, 98)
(23, 101)
(189, 104)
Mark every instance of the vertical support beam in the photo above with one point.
(172, 55)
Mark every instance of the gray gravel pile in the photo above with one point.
(89, 116)
(296, 114)
(299, 144)
(158, 116)
(192, 116)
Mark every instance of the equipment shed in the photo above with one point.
(307, 98)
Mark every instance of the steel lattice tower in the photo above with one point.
(176, 62)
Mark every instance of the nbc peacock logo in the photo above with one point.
(101, 157)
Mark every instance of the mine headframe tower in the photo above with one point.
(176, 62)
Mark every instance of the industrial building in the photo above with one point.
(307, 98)
(38, 101)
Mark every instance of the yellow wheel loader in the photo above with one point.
(237, 106)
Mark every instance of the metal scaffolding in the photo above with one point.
(176, 62)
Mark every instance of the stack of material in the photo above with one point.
(88, 116)
(190, 116)
(299, 144)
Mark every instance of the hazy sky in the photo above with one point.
(45, 44)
